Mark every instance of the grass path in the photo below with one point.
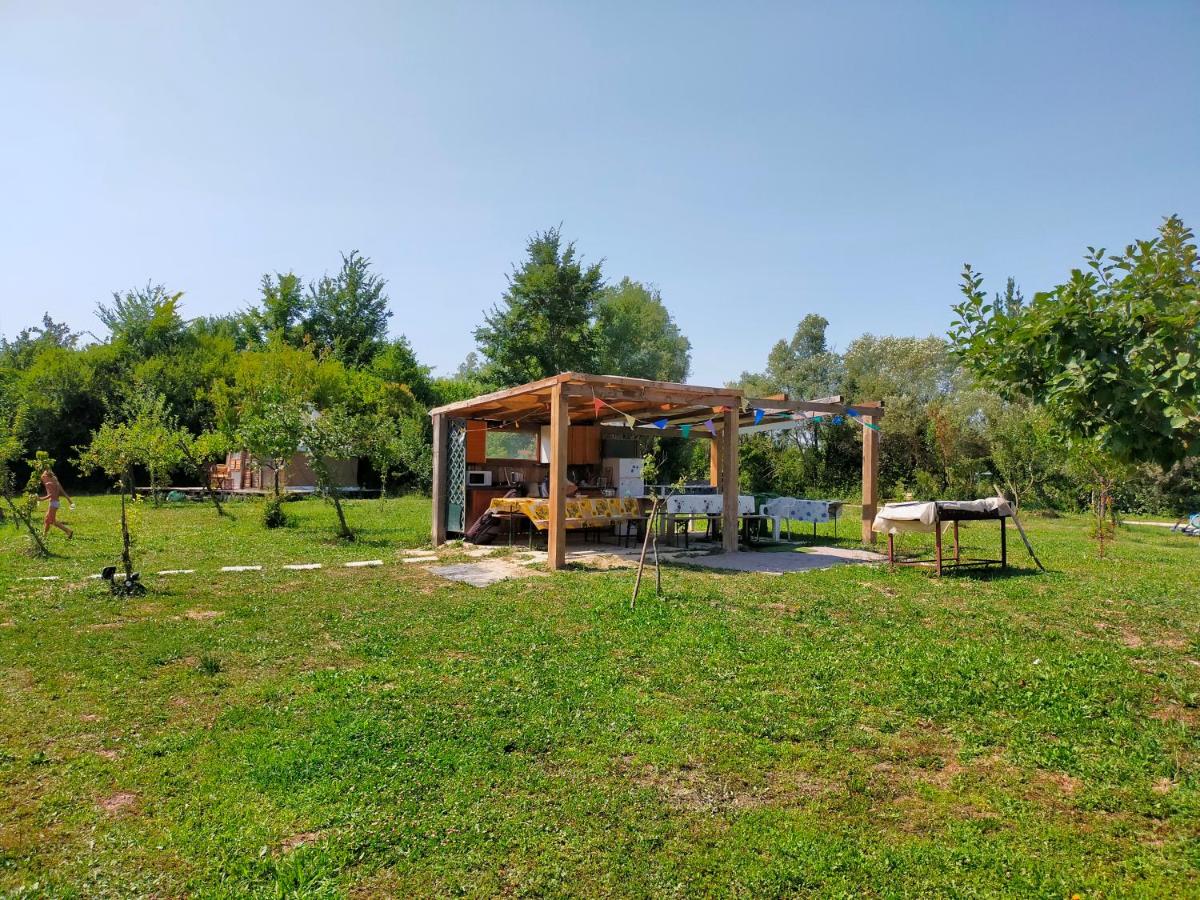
(381, 732)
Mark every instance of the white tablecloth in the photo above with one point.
(921, 515)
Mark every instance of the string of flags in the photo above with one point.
(686, 428)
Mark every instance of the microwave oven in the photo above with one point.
(479, 478)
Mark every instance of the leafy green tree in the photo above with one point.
(29, 342)
(156, 437)
(271, 428)
(348, 312)
(328, 435)
(543, 324)
(1112, 354)
(397, 364)
(114, 451)
(144, 322)
(636, 336)
(283, 308)
(1028, 457)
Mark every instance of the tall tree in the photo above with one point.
(1112, 354)
(636, 336)
(144, 321)
(283, 307)
(348, 312)
(543, 324)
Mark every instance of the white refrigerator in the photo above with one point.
(625, 475)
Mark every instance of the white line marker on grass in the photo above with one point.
(363, 563)
(39, 578)
(299, 567)
(241, 568)
(176, 572)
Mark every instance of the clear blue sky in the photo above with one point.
(756, 162)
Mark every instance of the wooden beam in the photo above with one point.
(647, 384)
(714, 463)
(649, 396)
(440, 440)
(556, 541)
(465, 406)
(870, 478)
(729, 477)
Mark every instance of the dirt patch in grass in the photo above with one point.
(287, 845)
(693, 786)
(1177, 712)
(202, 615)
(108, 754)
(120, 803)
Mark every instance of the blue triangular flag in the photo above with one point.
(758, 414)
(660, 423)
(837, 420)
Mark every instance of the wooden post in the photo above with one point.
(937, 543)
(729, 480)
(714, 463)
(870, 478)
(957, 556)
(1004, 544)
(440, 441)
(556, 539)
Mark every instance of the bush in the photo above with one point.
(273, 514)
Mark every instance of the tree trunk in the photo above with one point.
(343, 529)
(126, 559)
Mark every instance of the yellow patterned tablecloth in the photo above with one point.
(582, 512)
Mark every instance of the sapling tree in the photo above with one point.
(114, 451)
(198, 451)
(156, 437)
(383, 444)
(272, 429)
(11, 448)
(328, 435)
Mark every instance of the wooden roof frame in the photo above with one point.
(679, 404)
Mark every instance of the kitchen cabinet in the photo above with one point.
(476, 442)
(583, 445)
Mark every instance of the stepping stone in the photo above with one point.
(39, 578)
(170, 572)
(415, 552)
(363, 563)
(302, 567)
(419, 559)
(241, 568)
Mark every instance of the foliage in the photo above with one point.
(144, 322)
(636, 336)
(1112, 354)
(348, 312)
(327, 435)
(282, 312)
(543, 325)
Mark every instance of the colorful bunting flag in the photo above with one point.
(852, 412)
(818, 418)
(630, 420)
(660, 423)
(758, 416)
(837, 420)
(599, 406)
(712, 428)
(686, 429)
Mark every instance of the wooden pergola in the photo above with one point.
(575, 398)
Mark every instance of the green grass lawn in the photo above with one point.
(381, 732)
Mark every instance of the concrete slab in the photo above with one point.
(779, 563)
(482, 573)
(302, 567)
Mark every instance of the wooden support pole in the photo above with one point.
(729, 480)
(556, 541)
(714, 464)
(870, 478)
(440, 460)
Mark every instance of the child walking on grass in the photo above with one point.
(54, 493)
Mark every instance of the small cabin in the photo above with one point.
(242, 472)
